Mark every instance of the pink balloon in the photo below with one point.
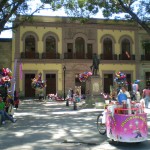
(89, 73)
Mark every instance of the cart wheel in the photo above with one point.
(111, 141)
(101, 127)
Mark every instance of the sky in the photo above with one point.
(8, 33)
(33, 3)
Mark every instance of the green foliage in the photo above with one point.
(11, 9)
(80, 10)
(118, 9)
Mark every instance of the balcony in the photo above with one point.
(68, 56)
(125, 57)
(145, 57)
(29, 55)
(89, 55)
(108, 57)
(77, 56)
(50, 55)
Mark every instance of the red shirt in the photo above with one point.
(146, 92)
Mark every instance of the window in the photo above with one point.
(125, 45)
(30, 43)
(89, 51)
(146, 46)
(107, 46)
(147, 76)
(50, 44)
(69, 47)
(79, 44)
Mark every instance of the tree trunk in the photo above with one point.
(135, 17)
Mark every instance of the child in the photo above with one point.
(16, 99)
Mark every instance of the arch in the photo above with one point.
(34, 38)
(107, 45)
(50, 39)
(125, 37)
(30, 33)
(80, 35)
(50, 44)
(107, 36)
(50, 34)
(80, 47)
(126, 46)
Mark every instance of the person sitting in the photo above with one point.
(3, 112)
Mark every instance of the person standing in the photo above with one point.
(124, 90)
(16, 99)
(138, 96)
(146, 96)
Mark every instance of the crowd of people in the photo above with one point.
(138, 96)
(7, 105)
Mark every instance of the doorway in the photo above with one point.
(108, 81)
(29, 91)
(147, 79)
(50, 84)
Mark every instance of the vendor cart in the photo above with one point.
(122, 123)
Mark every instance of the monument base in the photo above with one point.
(94, 98)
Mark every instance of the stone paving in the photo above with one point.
(53, 126)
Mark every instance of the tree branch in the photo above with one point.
(135, 17)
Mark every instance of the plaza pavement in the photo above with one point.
(53, 126)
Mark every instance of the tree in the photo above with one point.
(135, 10)
(11, 9)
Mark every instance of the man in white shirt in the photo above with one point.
(123, 90)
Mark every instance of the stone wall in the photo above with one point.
(5, 53)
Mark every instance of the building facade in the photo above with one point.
(5, 52)
(144, 57)
(49, 43)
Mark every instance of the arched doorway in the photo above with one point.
(80, 48)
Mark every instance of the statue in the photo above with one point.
(95, 65)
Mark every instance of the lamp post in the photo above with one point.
(64, 69)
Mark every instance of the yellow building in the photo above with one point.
(49, 43)
(143, 56)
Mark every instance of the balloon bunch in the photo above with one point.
(137, 81)
(5, 77)
(120, 79)
(84, 76)
(37, 82)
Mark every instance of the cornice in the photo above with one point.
(74, 25)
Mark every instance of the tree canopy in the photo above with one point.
(10, 9)
(135, 10)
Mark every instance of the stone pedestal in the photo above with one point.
(94, 98)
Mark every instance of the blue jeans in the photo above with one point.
(5, 115)
(147, 99)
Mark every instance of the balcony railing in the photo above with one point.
(49, 55)
(30, 55)
(108, 57)
(125, 57)
(68, 56)
(145, 57)
(89, 56)
(77, 56)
